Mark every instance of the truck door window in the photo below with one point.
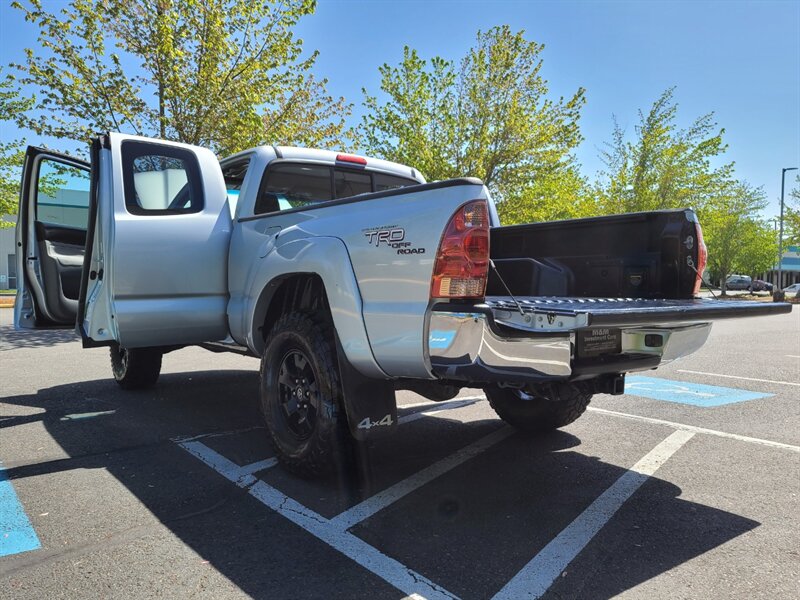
(160, 179)
(351, 183)
(62, 194)
(385, 182)
(288, 185)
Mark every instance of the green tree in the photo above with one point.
(11, 151)
(738, 239)
(663, 166)
(791, 220)
(490, 118)
(227, 74)
(758, 248)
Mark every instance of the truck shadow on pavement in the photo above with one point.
(470, 530)
(11, 339)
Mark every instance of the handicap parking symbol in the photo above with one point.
(684, 392)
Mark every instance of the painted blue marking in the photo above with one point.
(16, 532)
(440, 339)
(687, 393)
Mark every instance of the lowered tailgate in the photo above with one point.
(531, 339)
(540, 313)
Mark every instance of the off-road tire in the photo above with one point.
(135, 368)
(536, 413)
(325, 448)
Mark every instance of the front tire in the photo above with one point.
(135, 368)
(301, 396)
(536, 412)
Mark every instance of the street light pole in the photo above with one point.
(780, 235)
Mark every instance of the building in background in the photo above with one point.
(790, 265)
(68, 207)
(8, 261)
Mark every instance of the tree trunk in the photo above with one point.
(162, 130)
(161, 8)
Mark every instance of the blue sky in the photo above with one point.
(738, 59)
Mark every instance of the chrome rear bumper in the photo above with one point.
(469, 346)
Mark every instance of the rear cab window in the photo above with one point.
(291, 185)
(384, 182)
(351, 183)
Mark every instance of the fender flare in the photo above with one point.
(368, 394)
(327, 258)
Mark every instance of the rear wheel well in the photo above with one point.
(362, 397)
(302, 292)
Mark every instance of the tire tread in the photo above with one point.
(143, 370)
(539, 414)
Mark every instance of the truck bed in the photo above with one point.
(552, 313)
(639, 255)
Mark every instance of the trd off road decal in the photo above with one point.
(392, 236)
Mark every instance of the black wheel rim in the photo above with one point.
(298, 393)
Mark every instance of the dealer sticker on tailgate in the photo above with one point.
(594, 342)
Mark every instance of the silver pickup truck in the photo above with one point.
(351, 278)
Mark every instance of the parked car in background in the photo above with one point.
(738, 282)
(759, 285)
(792, 289)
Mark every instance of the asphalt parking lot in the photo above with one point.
(687, 486)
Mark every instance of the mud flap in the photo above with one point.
(370, 404)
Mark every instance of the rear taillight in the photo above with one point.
(702, 258)
(462, 261)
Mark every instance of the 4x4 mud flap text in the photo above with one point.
(370, 404)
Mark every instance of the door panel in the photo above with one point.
(158, 269)
(61, 251)
(51, 238)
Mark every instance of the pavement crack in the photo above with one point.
(420, 579)
(307, 514)
(246, 482)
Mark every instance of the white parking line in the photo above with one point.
(431, 410)
(539, 574)
(431, 403)
(255, 467)
(685, 427)
(271, 462)
(738, 377)
(693, 429)
(381, 500)
(268, 463)
(388, 569)
(535, 578)
(215, 434)
(793, 355)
